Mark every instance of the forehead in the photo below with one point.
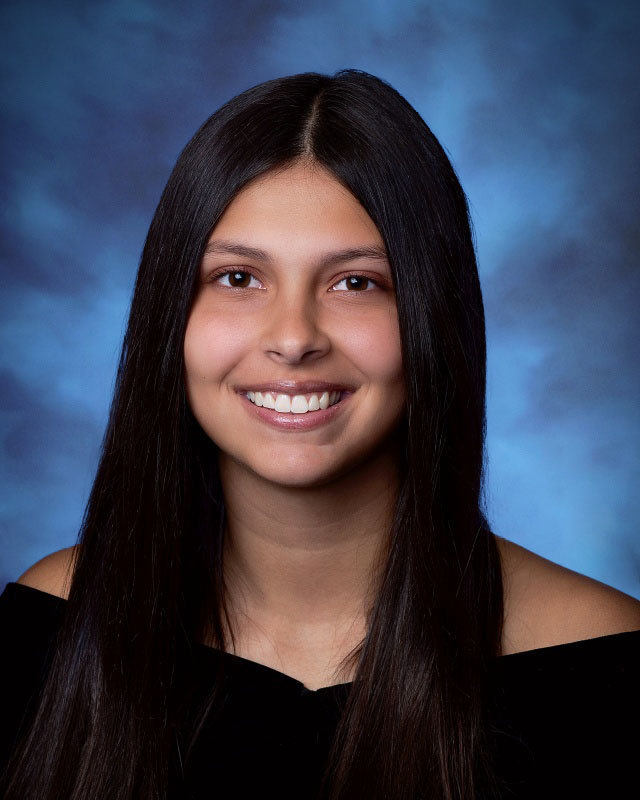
(301, 202)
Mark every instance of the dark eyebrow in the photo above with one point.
(336, 257)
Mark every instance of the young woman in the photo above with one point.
(284, 584)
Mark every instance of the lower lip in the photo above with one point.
(296, 422)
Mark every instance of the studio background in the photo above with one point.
(537, 104)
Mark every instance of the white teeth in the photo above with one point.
(283, 403)
(298, 404)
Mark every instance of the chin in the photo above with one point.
(300, 476)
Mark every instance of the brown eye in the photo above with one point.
(355, 283)
(241, 279)
(235, 279)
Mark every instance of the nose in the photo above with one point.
(293, 332)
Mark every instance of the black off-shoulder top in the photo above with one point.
(565, 719)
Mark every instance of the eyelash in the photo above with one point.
(213, 278)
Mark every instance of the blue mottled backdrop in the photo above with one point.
(537, 104)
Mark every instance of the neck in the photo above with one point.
(306, 558)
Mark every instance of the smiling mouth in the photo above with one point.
(295, 404)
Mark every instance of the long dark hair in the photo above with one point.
(148, 576)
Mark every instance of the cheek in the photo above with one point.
(375, 348)
(211, 350)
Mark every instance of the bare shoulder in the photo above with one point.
(52, 574)
(547, 604)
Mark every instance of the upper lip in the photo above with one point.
(296, 387)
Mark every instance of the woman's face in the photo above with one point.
(285, 309)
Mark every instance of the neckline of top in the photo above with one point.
(520, 656)
(523, 656)
(247, 663)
